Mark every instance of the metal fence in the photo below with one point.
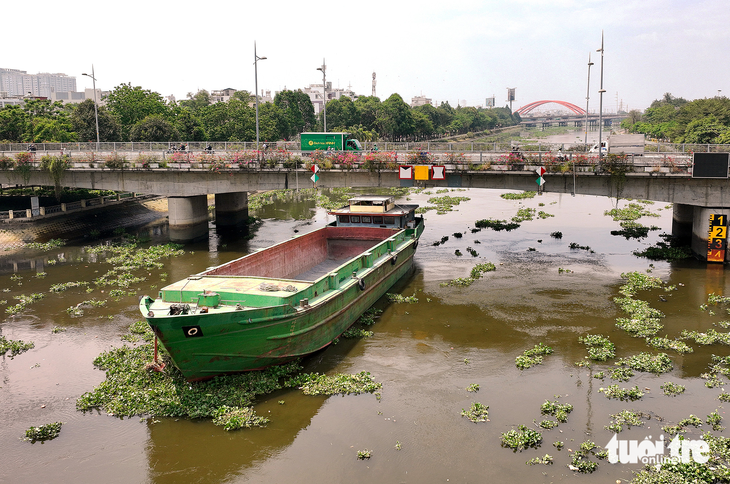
(69, 207)
(293, 146)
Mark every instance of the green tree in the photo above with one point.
(130, 105)
(154, 128)
(342, 112)
(54, 130)
(368, 108)
(187, 124)
(703, 130)
(83, 120)
(298, 112)
(395, 120)
(197, 101)
(13, 124)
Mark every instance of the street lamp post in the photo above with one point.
(588, 97)
(324, 92)
(256, 60)
(600, 106)
(96, 110)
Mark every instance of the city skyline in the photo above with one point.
(463, 51)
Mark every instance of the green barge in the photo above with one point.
(290, 299)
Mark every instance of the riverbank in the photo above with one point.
(14, 235)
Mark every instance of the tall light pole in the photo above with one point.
(96, 110)
(600, 105)
(256, 60)
(324, 91)
(588, 97)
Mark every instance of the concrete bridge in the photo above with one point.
(187, 189)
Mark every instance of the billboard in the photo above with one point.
(490, 102)
(511, 94)
(710, 165)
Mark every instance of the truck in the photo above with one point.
(629, 144)
(329, 141)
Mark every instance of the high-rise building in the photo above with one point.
(19, 83)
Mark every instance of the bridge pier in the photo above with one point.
(691, 224)
(231, 208)
(188, 217)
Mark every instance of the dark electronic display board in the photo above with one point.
(710, 165)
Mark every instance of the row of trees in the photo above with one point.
(680, 121)
(135, 114)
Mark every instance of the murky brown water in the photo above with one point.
(418, 352)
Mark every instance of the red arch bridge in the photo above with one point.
(572, 107)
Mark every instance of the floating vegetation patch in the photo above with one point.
(58, 329)
(446, 203)
(558, 410)
(319, 384)
(474, 387)
(46, 246)
(643, 320)
(368, 317)
(533, 356)
(364, 454)
(521, 438)
(524, 215)
(670, 344)
(398, 298)
(657, 364)
(544, 460)
(496, 225)
(78, 310)
(15, 347)
(633, 211)
(548, 424)
(477, 412)
(235, 418)
(668, 250)
(63, 286)
(624, 394)
(575, 245)
(626, 418)
(715, 419)
(580, 459)
(600, 347)
(672, 389)
(44, 432)
(710, 337)
(621, 374)
(130, 388)
(544, 215)
(633, 230)
(23, 303)
(556, 235)
(476, 273)
(518, 196)
(352, 333)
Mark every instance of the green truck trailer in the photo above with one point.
(329, 141)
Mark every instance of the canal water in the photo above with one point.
(425, 354)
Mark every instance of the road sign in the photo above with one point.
(540, 170)
(314, 169)
(314, 178)
(540, 181)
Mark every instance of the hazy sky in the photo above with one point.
(453, 51)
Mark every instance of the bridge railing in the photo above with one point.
(166, 150)
(67, 207)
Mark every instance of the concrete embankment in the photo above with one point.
(105, 220)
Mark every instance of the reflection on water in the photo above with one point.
(425, 354)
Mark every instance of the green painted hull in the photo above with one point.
(230, 339)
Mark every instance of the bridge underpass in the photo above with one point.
(693, 198)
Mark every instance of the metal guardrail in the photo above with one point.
(167, 150)
(70, 207)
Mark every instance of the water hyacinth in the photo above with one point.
(657, 364)
(600, 347)
(235, 418)
(318, 384)
(672, 389)
(15, 347)
(710, 337)
(477, 413)
(626, 418)
(520, 439)
(558, 410)
(533, 356)
(614, 392)
(44, 432)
